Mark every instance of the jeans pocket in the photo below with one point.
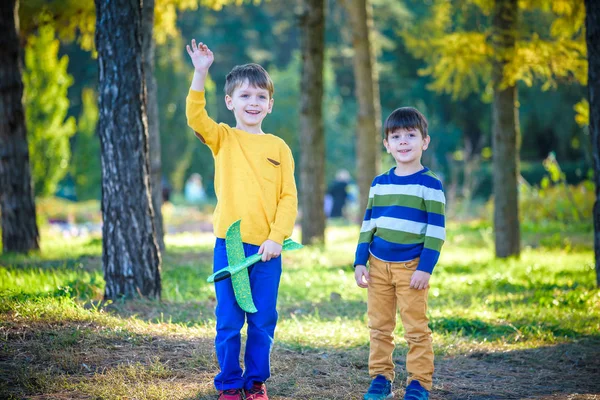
(411, 265)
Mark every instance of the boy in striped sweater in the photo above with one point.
(401, 238)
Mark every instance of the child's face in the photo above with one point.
(250, 105)
(406, 146)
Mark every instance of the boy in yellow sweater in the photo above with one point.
(254, 182)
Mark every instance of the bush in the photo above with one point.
(567, 204)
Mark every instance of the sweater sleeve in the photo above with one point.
(435, 234)
(367, 231)
(287, 207)
(207, 130)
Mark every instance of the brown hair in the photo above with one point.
(255, 74)
(405, 118)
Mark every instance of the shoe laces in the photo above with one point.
(414, 392)
(256, 389)
(378, 386)
(231, 392)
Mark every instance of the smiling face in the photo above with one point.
(250, 105)
(406, 145)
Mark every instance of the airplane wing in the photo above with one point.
(243, 294)
(240, 280)
(238, 263)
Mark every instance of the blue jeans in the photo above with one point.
(264, 282)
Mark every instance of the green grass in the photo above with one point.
(60, 340)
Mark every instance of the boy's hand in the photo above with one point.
(420, 280)
(201, 56)
(269, 249)
(362, 276)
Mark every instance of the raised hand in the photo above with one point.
(201, 56)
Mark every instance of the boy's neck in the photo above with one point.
(408, 169)
(255, 130)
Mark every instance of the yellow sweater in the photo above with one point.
(254, 177)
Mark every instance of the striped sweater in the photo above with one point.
(404, 220)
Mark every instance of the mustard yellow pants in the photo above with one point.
(388, 291)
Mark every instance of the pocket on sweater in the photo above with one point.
(271, 170)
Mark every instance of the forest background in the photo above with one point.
(524, 326)
(61, 99)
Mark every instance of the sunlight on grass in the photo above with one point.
(83, 284)
(185, 240)
(477, 303)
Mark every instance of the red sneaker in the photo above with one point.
(258, 391)
(230, 394)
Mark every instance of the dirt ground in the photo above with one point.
(33, 355)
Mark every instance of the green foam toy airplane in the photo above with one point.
(237, 269)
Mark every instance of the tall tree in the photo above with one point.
(18, 222)
(130, 254)
(592, 26)
(505, 132)
(153, 125)
(368, 127)
(312, 137)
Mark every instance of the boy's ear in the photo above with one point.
(229, 102)
(426, 141)
(270, 105)
(385, 143)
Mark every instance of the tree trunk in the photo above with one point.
(505, 134)
(312, 137)
(17, 205)
(592, 26)
(130, 255)
(369, 137)
(153, 126)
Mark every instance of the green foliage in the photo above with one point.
(72, 19)
(267, 34)
(85, 166)
(554, 200)
(548, 62)
(339, 131)
(549, 203)
(76, 19)
(554, 204)
(45, 98)
(165, 14)
(459, 55)
(582, 110)
(462, 65)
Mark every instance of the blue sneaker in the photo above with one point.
(380, 389)
(414, 391)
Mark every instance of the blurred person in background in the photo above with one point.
(194, 190)
(338, 194)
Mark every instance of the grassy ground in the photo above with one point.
(511, 329)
